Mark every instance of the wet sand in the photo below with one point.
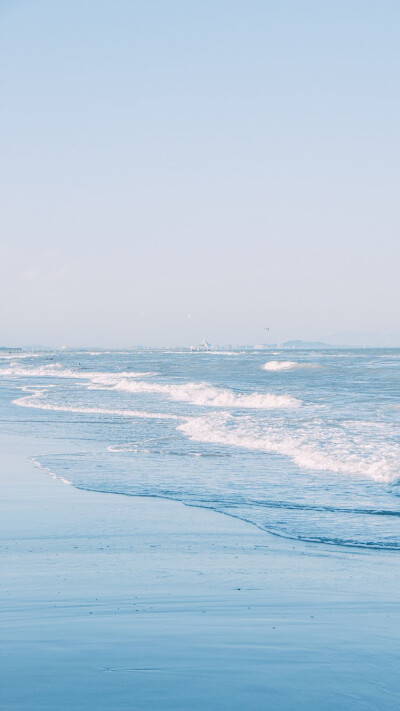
(112, 603)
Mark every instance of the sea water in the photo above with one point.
(303, 444)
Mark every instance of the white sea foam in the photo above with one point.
(287, 365)
(206, 395)
(132, 448)
(18, 356)
(199, 352)
(56, 370)
(49, 472)
(309, 448)
(35, 400)
(217, 353)
(202, 394)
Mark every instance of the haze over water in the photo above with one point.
(304, 444)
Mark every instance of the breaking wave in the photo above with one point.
(56, 370)
(33, 400)
(18, 356)
(309, 449)
(202, 394)
(210, 396)
(287, 365)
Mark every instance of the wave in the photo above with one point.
(327, 540)
(199, 352)
(17, 356)
(209, 396)
(133, 448)
(217, 353)
(56, 370)
(315, 450)
(287, 365)
(38, 464)
(202, 394)
(32, 400)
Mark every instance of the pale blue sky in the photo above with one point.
(237, 162)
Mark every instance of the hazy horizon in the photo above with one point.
(286, 345)
(174, 171)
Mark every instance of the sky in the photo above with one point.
(173, 170)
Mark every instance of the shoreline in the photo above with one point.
(116, 602)
(341, 547)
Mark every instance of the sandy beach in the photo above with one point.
(113, 602)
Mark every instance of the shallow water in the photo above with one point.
(303, 444)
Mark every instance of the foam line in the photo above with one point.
(307, 449)
(206, 395)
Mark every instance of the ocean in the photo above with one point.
(302, 444)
